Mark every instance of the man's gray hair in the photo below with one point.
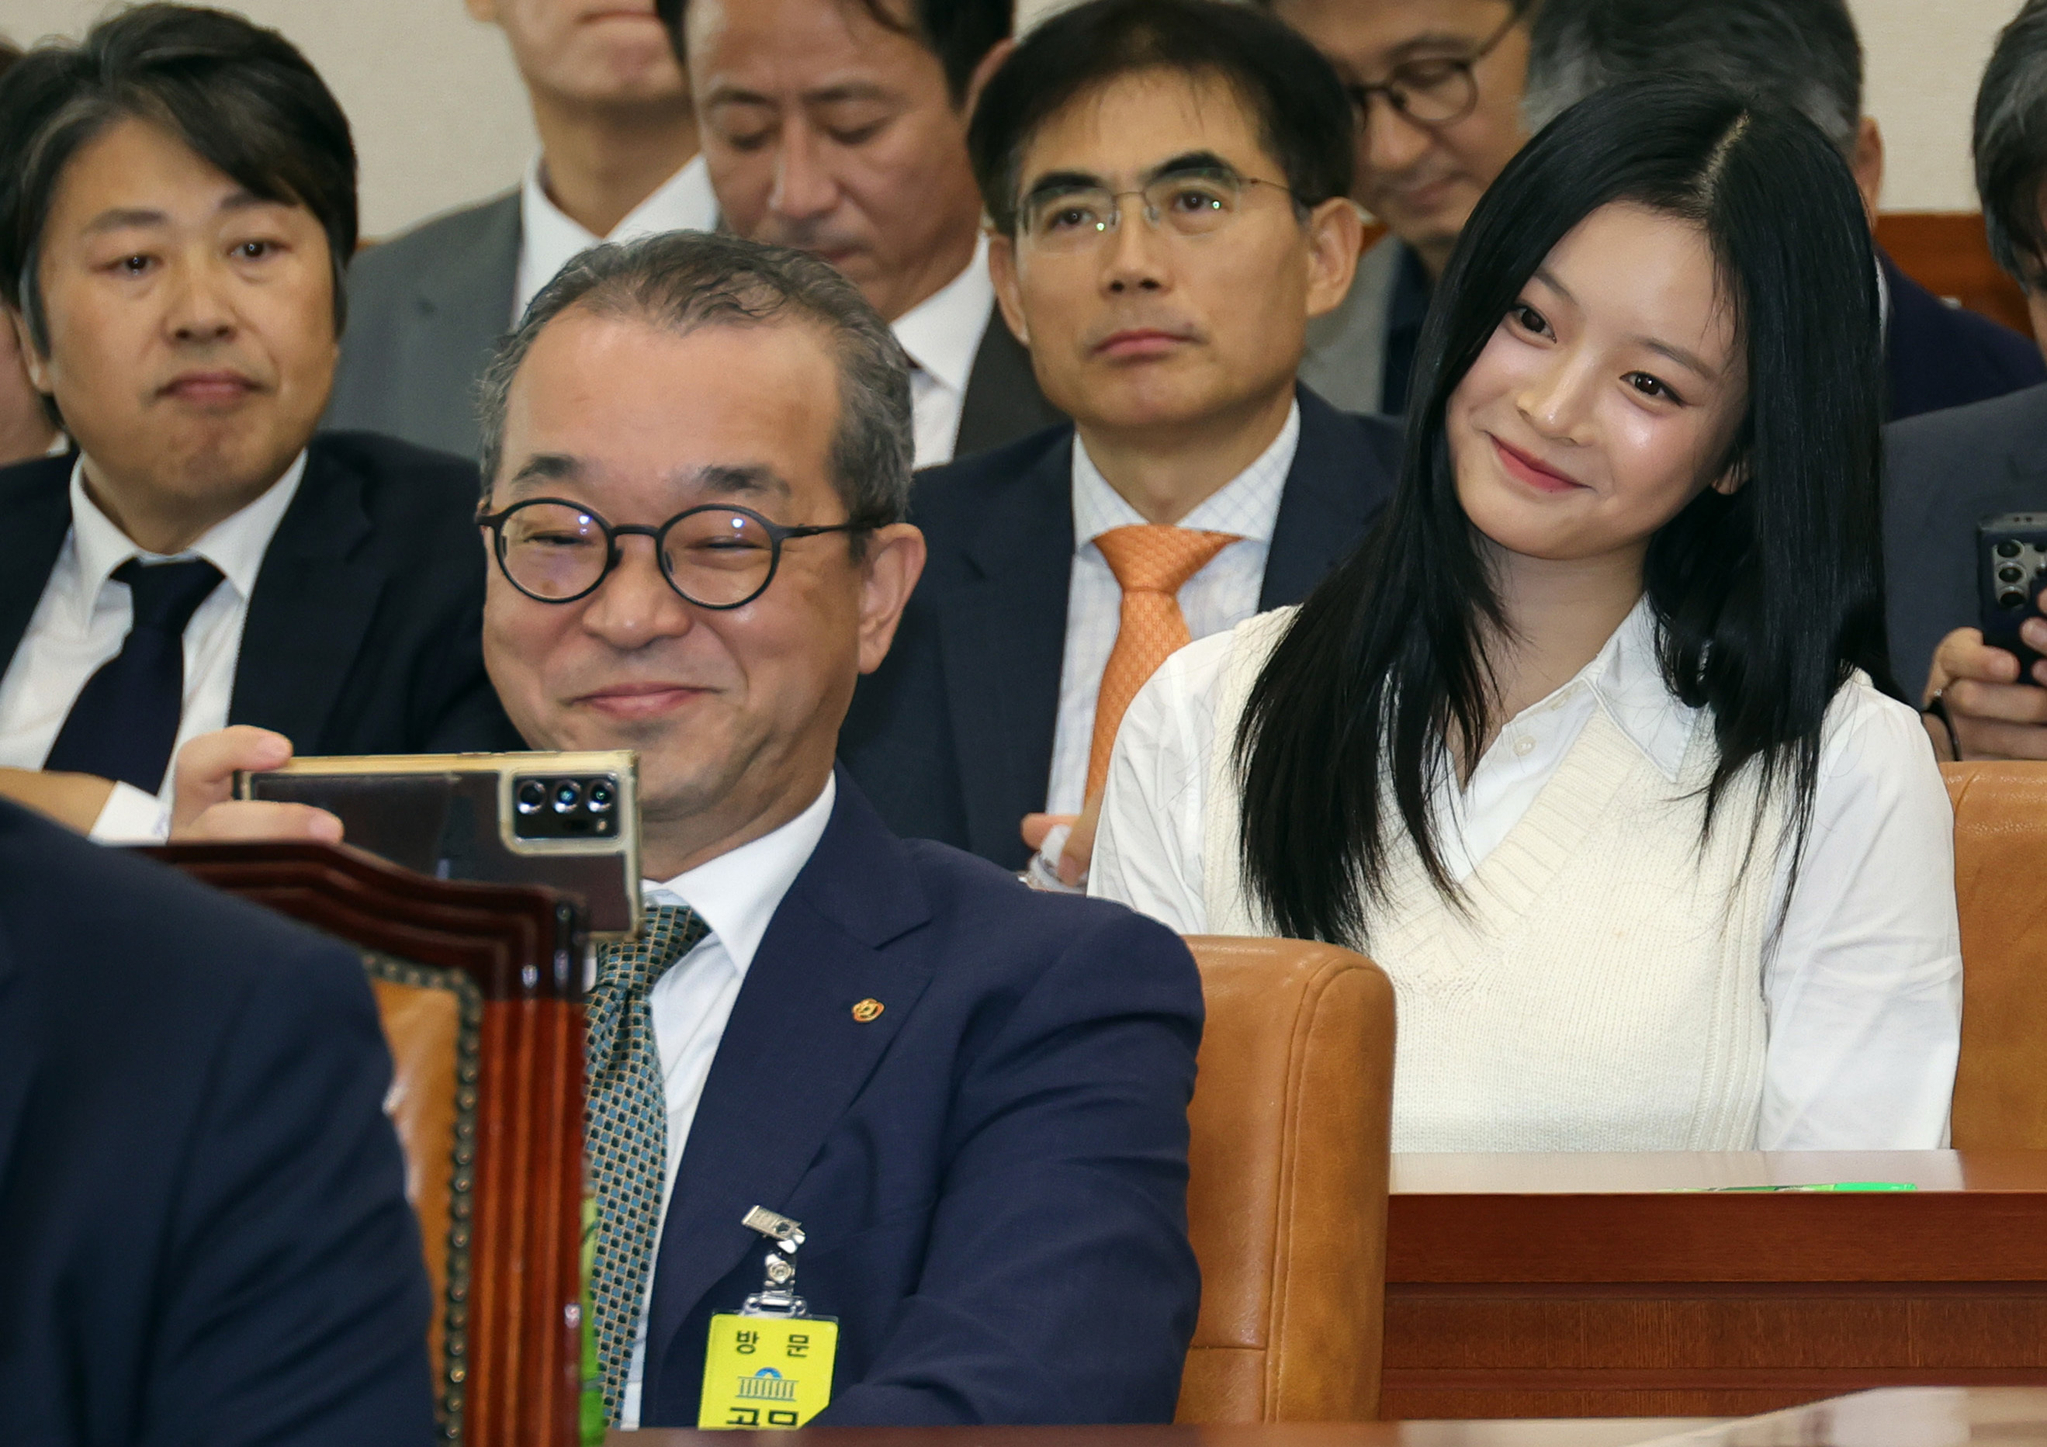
(682, 280)
(1799, 53)
(2011, 146)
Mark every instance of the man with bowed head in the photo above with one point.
(971, 1096)
(839, 127)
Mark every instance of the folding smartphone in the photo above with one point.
(569, 820)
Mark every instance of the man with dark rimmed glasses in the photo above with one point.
(1436, 89)
(971, 1098)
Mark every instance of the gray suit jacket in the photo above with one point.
(1345, 363)
(1944, 473)
(424, 310)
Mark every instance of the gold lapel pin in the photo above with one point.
(868, 1009)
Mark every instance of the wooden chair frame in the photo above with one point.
(510, 1373)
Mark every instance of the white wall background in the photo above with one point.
(439, 117)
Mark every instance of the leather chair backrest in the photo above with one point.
(479, 990)
(2001, 887)
(423, 1027)
(1286, 1199)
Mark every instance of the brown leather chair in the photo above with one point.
(1286, 1201)
(2001, 886)
(480, 990)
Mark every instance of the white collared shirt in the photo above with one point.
(1216, 599)
(549, 239)
(942, 334)
(82, 620)
(1862, 986)
(736, 894)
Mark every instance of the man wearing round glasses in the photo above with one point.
(1167, 185)
(973, 1098)
(1436, 86)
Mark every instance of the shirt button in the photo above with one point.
(1524, 746)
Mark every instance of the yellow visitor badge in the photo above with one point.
(768, 1366)
(765, 1372)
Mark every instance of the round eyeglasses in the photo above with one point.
(714, 556)
(1184, 203)
(1434, 90)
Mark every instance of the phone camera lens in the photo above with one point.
(2010, 573)
(532, 794)
(567, 794)
(2011, 598)
(600, 796)
(2008, 549)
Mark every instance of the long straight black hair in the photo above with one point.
(1764, 600)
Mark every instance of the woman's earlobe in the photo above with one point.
(1728, 483)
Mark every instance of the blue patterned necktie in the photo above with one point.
(626, 1125)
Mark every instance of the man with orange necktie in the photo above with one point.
(1166, 182)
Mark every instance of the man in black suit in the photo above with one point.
(181, 189)
(1163, 235)
(1949, 471)
(1806, 54)
(840, 129)
(203, 1228)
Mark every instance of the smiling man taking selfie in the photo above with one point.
(971, 1097)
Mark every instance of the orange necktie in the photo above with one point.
(1150, 562)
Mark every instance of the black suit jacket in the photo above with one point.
(364, 631)
(1003, 402)
(952, 735)
(992, 1172)
(1944, 473)
(1938, 356)
(204, 1237)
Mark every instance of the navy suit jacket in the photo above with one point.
(204, 1237)
(1943, 474)
(1938, 356)
(992, 1173)
(952, 735)
(364, 633)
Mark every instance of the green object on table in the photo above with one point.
(1825, 1186)
(592, 1422)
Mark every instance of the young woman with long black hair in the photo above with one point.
(1583, 746)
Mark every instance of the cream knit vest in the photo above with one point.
(1603, 992)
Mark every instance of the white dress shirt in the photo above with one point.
(1862, 987)
(736, 894)
(942, 333)
(549, 239)
(1216, 599)
(82, 620)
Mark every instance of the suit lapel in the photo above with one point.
(38, 501)
(1002, 401)
(1004, 644)
(468, 294)
(17, 1043)
(314, 597)
(793, 1057)
(1330, 495)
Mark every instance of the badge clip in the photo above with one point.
(777, 1296)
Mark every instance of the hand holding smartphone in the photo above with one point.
(2011, 562)
(569, 820)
